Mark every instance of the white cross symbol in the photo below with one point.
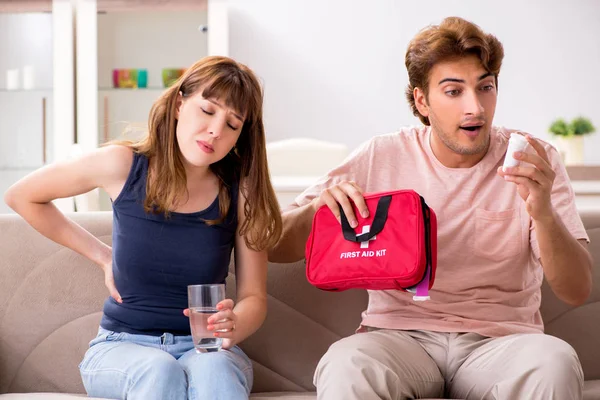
(366, 229)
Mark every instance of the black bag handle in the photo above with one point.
(378, 222)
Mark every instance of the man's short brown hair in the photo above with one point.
(454, 38)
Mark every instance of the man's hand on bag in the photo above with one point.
(345, 193)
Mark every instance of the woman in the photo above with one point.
(183, 197)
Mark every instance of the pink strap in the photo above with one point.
(422, 292)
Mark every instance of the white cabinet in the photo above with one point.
(25, 89)
(25, 123)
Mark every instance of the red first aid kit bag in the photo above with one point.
(394, 248)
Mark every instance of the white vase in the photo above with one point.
(572, 148)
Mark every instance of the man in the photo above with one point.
(499, 233)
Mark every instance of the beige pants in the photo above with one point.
(394, 365)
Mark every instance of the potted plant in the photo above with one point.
(569, 138)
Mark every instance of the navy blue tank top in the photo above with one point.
(155, 258)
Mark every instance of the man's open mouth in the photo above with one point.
(471, 128)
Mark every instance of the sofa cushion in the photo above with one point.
(299, 328)
(45, 290)
(591, 390)
(48, 370)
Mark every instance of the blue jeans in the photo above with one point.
(121, 365)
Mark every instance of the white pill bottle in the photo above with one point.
(517, 142)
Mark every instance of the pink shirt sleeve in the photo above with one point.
(563, 200)
(354, 168)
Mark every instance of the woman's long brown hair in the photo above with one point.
(224, 79)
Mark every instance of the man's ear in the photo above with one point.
(421, 101)
(178, 104)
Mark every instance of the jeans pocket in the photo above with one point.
(98, 347)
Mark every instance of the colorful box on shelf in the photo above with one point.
(170, 75)
(130, 78)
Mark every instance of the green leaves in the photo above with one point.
(582, 126)
(579, 126)
(560, 128)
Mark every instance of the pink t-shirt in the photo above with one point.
(488, 275)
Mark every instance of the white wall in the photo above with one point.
(335, 69)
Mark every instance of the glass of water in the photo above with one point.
(202, 302)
